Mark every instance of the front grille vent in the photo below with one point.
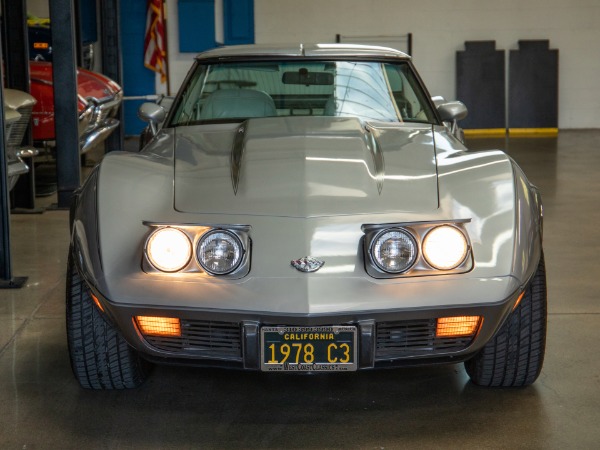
(414, 338)
(18, 129)
(203, 338)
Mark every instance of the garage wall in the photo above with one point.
(440, 29)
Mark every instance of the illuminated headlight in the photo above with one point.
(219, 252)
(394, 250)
(445, 247)
(169, 249)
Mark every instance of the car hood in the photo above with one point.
(305, 167)
(89, 84)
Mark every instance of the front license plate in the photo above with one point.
(308, 349)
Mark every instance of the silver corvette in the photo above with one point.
(306, 209)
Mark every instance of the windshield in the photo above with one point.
(370, 91)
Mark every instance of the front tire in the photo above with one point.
(515, 355)
(100, 356)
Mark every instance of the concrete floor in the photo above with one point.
(43, 407)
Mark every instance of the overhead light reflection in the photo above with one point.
(343, 160)
(452, 172)
(500, 240)
(348, 268)
(362, 162)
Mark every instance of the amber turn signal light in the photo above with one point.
(159, 326)
(458, 326)
(97, 303)
(519, 300)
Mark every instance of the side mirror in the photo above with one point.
(452, 111)
(438, 100)
(153, 114)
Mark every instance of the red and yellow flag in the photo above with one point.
(155, 52)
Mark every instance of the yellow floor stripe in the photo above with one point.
(486, 132)
(513, 132)
(533, 132)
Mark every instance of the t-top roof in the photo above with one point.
(303, 50)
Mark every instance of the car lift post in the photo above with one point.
(68, 170)
(112, 65)
(7, 281)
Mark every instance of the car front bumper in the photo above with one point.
(15, 168)
(232, 339)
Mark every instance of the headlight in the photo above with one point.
(394, 250)
(169, 249)
(219, 252)
(445, 247)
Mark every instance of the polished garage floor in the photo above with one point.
(42, 406)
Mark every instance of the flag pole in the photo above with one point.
(166, 37)
(155, 49)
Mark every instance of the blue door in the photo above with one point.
(196, 33)
(137, 80)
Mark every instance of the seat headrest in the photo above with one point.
(238, 103)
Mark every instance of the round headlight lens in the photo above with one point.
(445, 247)
(220, 252)
(394, 250)
(169, 249)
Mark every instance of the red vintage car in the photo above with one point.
(99, 101)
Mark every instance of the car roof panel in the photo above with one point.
(302, 50)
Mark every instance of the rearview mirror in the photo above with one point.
(307, 78)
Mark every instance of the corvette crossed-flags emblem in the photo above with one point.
(307, 264)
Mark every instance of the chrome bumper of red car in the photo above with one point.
(92, 138)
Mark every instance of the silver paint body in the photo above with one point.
(306, 187)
